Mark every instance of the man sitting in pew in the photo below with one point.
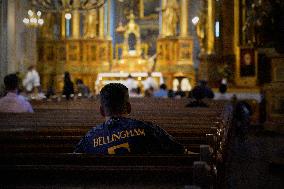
(12, 102)
(122, 135)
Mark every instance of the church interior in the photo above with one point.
(208, 72)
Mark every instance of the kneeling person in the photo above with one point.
(122, 135)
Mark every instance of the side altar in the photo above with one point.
(83, 58)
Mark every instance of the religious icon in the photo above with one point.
(247, 63)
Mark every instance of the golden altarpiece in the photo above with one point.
(88, 55)
(82, 56)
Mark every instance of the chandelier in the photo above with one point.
(69, 5)
(34, 19)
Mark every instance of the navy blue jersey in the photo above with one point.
(122, 135)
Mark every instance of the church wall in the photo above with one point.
(18, 44)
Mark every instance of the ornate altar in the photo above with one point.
(121, 77)
(85, 48)
(74, 38)
(132, 54)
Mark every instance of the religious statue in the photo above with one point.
(90, 24)
(170, 17)
(200, 31)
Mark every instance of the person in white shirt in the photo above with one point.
(131, 83)
(12, 102)
(150, 83)
(32, 80)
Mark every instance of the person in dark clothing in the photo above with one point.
(243, 112)
(179, 93)
(206, 90)
(121, 135)
(200, 92)
(50, 89)
(68, 88)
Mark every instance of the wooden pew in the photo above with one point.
(46, 169)
(56, 127)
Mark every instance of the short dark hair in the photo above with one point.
(223, 88)
(11, 82)
(31, 67)
(114, 98)
(198, 93)
(163, 86)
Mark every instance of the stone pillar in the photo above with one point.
(184, 18)
(210, 26)
(11, 37)
(101, 22)
(3, 42)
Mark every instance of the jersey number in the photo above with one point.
(112, 149)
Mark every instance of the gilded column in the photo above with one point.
(236, 24)
(76, 20)
(184, 18)
(101, 22)
(163, 5)
(108, 18)
(237, 38)
(141, 8)
(210, 25)
(63, 25)
(75, 24)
